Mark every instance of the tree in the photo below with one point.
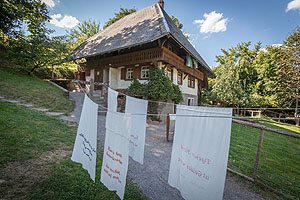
(83, 31)
(236, 76)
(269, 84)
(159, 87)
(33, 53)
(122, 13)
(176, 21)
(14, 14)
(291, 69)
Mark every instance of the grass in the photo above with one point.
(27, 136)
(278, 125)
(29, 89)
(279, 165)
(69, 181)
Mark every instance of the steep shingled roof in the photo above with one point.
(143, 26)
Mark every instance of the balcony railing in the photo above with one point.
(144, 56)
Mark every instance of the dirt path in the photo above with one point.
(152, 177)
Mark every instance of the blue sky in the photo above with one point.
(211, 25)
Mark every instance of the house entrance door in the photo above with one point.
(98, 78)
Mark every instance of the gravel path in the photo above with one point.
(152, 177)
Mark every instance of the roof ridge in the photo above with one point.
(163, 18)
(198, 57)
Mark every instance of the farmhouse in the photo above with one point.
(135, 44)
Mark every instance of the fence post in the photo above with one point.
(258, 154)
(168, 127)
(91, 88)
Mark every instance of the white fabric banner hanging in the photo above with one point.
(112, 100)
(200, 152)
(138, 127)
(85, 147)
(116, 150)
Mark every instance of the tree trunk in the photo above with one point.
(32, 69)
(52, 72)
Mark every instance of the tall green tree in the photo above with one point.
(15, 14)
(32, 48)
(269, 85)
(236, 76)
(291, 69)
(83, 31)
(119, 15)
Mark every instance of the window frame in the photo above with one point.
(191, 82)
(145, 71)
(179, 78)
(169, 74)
(191, 100)
(129, 72)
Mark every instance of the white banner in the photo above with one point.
(116, 149)
(112, 100)
(85, 147)
(200, 152)
(138, 127)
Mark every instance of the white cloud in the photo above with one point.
(293, 5)
(49, 3)
(66, 21)
(213, 23)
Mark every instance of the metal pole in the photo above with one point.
(258, 154)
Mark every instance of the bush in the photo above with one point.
(158, 88)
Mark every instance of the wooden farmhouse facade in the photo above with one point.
(135, 44)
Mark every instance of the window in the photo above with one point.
(190, 101)
(129, 73)
(179, 78)
(145, 72)
(191, 82)
(169, 74)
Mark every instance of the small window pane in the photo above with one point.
(145, 72)
(129, 73)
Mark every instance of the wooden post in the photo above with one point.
(106, 97)
(91, 88)
(258, 154)
(168, 127)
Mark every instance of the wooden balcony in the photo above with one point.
(144, 56)
(178, 63)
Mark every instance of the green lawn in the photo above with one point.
(28, 89)
(35, 160)
(279, 165)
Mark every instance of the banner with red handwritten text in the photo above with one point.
(200, 151)
(84, 150)
(116, 150)
(137, 107)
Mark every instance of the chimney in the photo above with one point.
(161, 3)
